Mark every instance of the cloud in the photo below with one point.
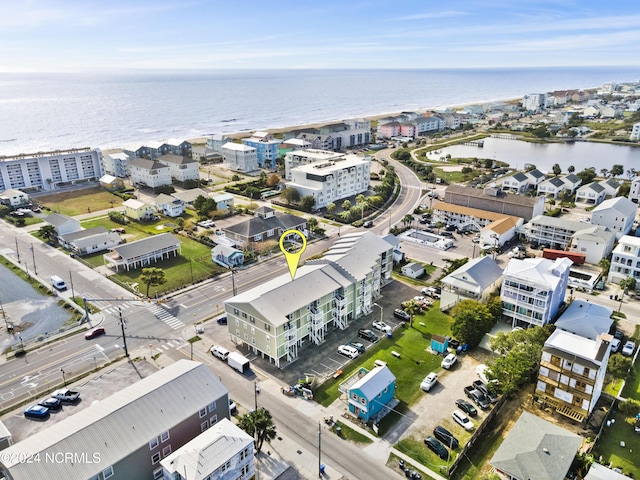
(422, 16)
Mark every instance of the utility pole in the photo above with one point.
(33, 256)
(319, 451)
(73, 295)
(233, 280)
(17, 251)
(255, 395)
(124, 338)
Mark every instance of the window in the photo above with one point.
(363, 401)
(212, 406)
(225, 467)
(203, 426)
(213, 420)
(244, 454)
(354, 396)
(268, 338)
(252, 320)
(164, 436)
(166, 451)
(267, 327)
(157, 474)
(244, 470)
(107, 473)
(235, 311)
(155, 458)
(202, 412)
(154, 443)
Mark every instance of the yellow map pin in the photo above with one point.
(292, 257)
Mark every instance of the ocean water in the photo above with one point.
(43, 112)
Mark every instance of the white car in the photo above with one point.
(348, 351)
(628, 348)
(481, 371)
(429, 381)
(383, 327)
(448, 361)
(463, 420)
(615, 345)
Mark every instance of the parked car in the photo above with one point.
(66, 395)
(466, 407)
(95, 332)
(36, 411)
(619, 335)
(448, 361)
(433, 292)
(53, 404)
(628, 348)
(429, 381)
(447, 234)
(233, 408)
(491, 397)
(434, 445)
(368, 335)
(461, 419)
(348, 351)
(367, 224)
(446, 437)
(477, 397)
(380, 325)
(615, 345)
(222, 320)
(401, 314)
(357, 345)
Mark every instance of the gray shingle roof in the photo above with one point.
(573, 178)
(521, 177)
(478, 273)
(58, 220)
(586, 319)
(535, 173)
(89, 232)
(536, 449)
(147, 164)
(258, 225)
(146, 245)
(556, 182)
(177, 159)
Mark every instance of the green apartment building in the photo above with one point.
(278, 318)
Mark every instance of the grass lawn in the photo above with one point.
(79, 201)
(414, 364)
(609, 447)
(179, 270)
(32, 221)
(350, 434)
(416, 449)
(613, 387)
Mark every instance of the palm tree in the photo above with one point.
(407, 219)
(259, 424)
(412, 308)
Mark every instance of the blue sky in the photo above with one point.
(75, 35)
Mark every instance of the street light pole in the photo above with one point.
(17, 251)
(124, 338)
(33, 256)
(233, 281)
(319, 451)
(64, 380)
(381, 310)
(73, 295)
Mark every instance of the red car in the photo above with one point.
(96, 332)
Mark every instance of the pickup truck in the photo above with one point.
(477, 397)
(66, 395)
(491, 397)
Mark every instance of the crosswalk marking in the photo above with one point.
(161, 314)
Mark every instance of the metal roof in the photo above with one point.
(119, 425)
(475, 275)
(146, 245)
(374, 382)
(586, 319)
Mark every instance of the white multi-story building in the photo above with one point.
(334, 180)
(297, 158)
(534, 102)
(266, 147)
(149, 173)
(618, 214)
(222, 451)
(49, 170)
(116, 164)
(533, 290)
(277, 318)
(635, 132)
(182, 168)
(572, 371)
(625, 260)
(429, 124)
(634, 193)
(240, 157)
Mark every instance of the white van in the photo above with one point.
(220, 352)
(58, 283)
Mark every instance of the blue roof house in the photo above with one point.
(372, 392)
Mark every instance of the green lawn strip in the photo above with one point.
(414, 364)
(351, 434)
(632, 385)
(613, 387)
(609, 446)
(134, 230)
(415, 448)
(32, 221)
(77, 202)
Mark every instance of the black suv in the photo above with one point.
(368, 335)
(401, 314)
(437, 447)
(446, 437)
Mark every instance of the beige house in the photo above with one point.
(137, 210)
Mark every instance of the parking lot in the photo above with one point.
(324, 360)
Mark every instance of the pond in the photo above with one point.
(24, 306)
(544, 155)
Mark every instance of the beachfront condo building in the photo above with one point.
(334, 180)
(296, 158)
(533, 290)
(45, 171)
(240, 158)
(181, 168)
(116, 164)
(149, 173)
(280, 318)
(266, 146)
